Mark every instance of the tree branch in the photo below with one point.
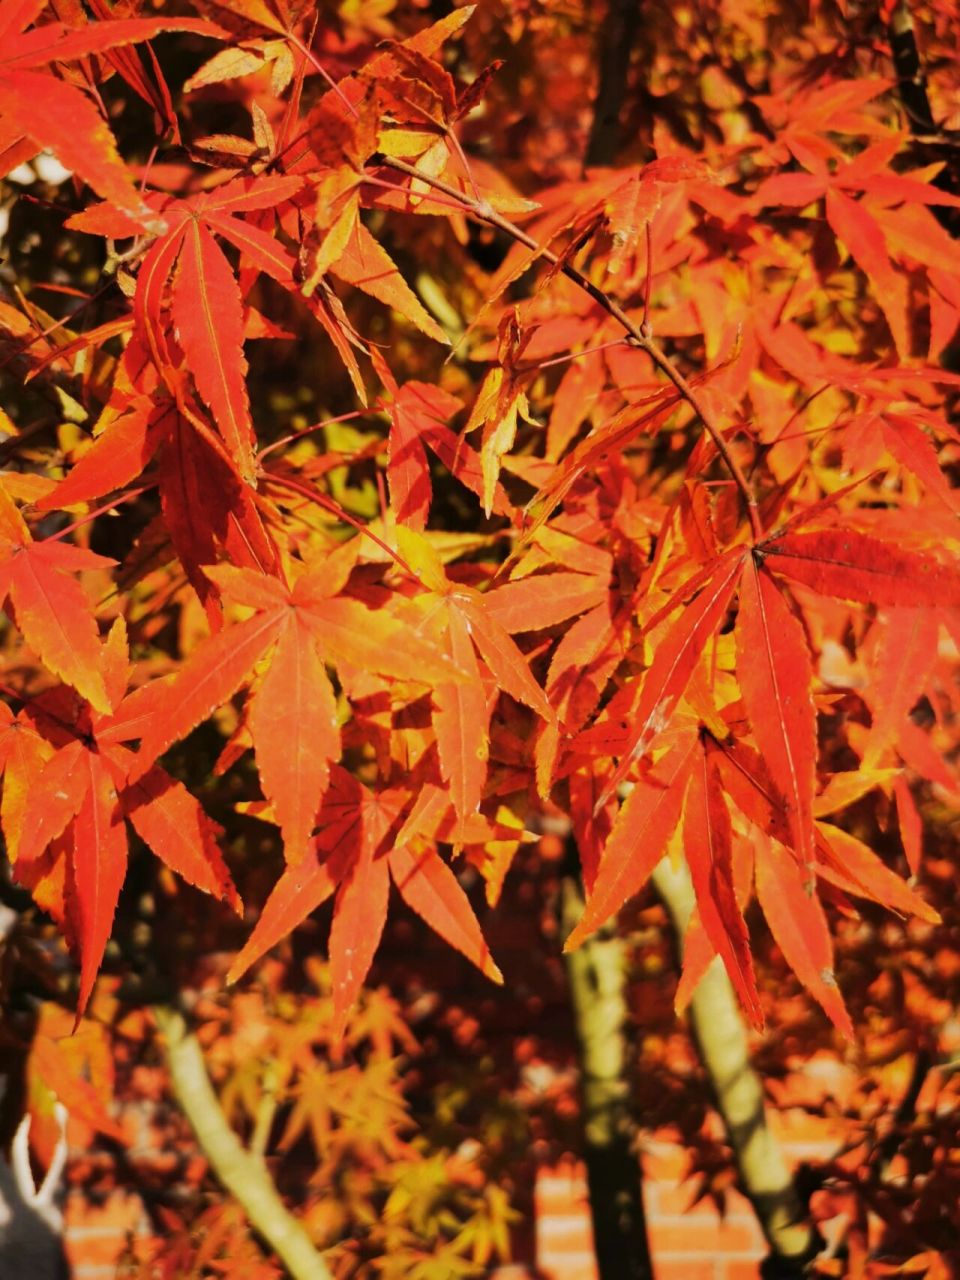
(242, 1174)
(722, 1038)
(640, 336)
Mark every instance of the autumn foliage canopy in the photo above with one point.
(382, 474)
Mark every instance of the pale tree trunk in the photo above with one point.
(721, 1036)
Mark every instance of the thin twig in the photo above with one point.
(577, 355)
(484, 212)
(266, 1114)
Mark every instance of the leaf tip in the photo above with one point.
(575, 939)
(237, 970)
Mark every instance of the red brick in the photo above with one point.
(96, 1234)
(664, 1161)
(667, 1198)
(559, 1196)
(119, 1212)
(737, 1205)
(739, 1270)
(565, 1234)
(100, 1251)
(683, 1269)
(694, 1235)
(572, 1266)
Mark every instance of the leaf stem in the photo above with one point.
(334, 508)
(576, 355)
(316, 426)
(92, 515)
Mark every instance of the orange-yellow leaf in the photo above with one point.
(646, 821)
(299, 891)
(55, 799)
(799, 927)
(365, 263)
(855, 566)
(675, 657)
(408, 470)
(349, 631)
(852, 866)
(499, 651)
(863, 238)
(707, 844)
(460, 722)
(54, 614)
(212, 674)
(77, 1094)
(248, 587)
(427, 884)
(23, 755)
(358, 919)
(293, 720)
(95, 872)
(775, 673)
(905, 656)
(208, 314)
(698, 950)
(170, 820)
(910, 823)
(40, 106)
(115, 458)
(544, 600)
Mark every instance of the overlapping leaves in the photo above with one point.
(713, 637)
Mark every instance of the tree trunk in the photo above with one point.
(617, 35)
(596, 974)
(722, 1039)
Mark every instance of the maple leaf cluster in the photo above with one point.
(676, 568)
(375, 1183)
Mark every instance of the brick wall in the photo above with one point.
(96, 1232)
(688, 1242)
